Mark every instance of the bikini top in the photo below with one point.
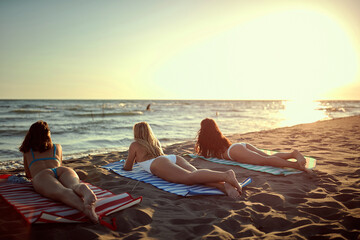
(41, 159)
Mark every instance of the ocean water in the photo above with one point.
(85, 127)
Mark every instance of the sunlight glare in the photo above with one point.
(292, 54)
(301, 111)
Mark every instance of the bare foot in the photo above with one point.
(231, 179)
(85, 192)
(89, 211)
(89, 199)
(231, 191)
(301, 161)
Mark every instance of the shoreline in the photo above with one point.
(5, 166)
(98, 126)
(323, 205)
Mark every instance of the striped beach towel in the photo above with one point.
(139, 174)
(35, 208)
(310, 164)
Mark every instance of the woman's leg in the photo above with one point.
(185, 164)
(226, 188)
(47, 185)
(254, 149)
(284, 155)
(223, 186)
(165, 169)
(244, 155)
(70, 179)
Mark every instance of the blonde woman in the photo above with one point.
(147, 152)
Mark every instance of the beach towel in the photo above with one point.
(139, 174)
(35, 208)
(310, 164)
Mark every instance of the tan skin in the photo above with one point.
(67, 188)
(252, 155)
(183, 172)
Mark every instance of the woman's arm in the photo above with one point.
(131, 158)
(26, 167)
(59, 149)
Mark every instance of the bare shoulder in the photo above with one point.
(137, 149)
(58, 149)
(26, 156)
(135, 145)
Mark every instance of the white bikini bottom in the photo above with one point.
(146, 164)
(228, 151)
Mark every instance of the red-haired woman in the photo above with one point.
(42, 163)
(212, 143)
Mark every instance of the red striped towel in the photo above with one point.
(38, 209)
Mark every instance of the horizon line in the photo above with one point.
(143, 99)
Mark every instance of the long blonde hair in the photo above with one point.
(144, 135)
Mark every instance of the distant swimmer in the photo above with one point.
(148, 107)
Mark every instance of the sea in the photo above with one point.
(86, 127)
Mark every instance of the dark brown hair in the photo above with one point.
(210, 141)
(37, 138)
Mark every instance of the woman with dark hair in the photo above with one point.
(212, 143)
(42, 163)
(147, 152)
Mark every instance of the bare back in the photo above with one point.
(137, 153)
(38, 166)
(141, 153)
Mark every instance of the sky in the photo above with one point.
(191, 49)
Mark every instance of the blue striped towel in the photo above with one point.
(139, 174)
(268, 169)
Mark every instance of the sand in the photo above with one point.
(324, 205)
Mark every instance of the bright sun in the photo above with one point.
(293, 54)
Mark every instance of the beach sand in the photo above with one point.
(323, 205)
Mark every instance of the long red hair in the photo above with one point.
(210, 141)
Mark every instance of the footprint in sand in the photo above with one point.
(272, 223)
(261, 208)
(136, 218)
(297, 200)
(324, 212)
(355, 174)
(268, 199)
(221, 213)
(344, 197)
(353, 204)
(338, 164)
(316, 195)
(230, 225)
(202, 230)
(191, 221)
